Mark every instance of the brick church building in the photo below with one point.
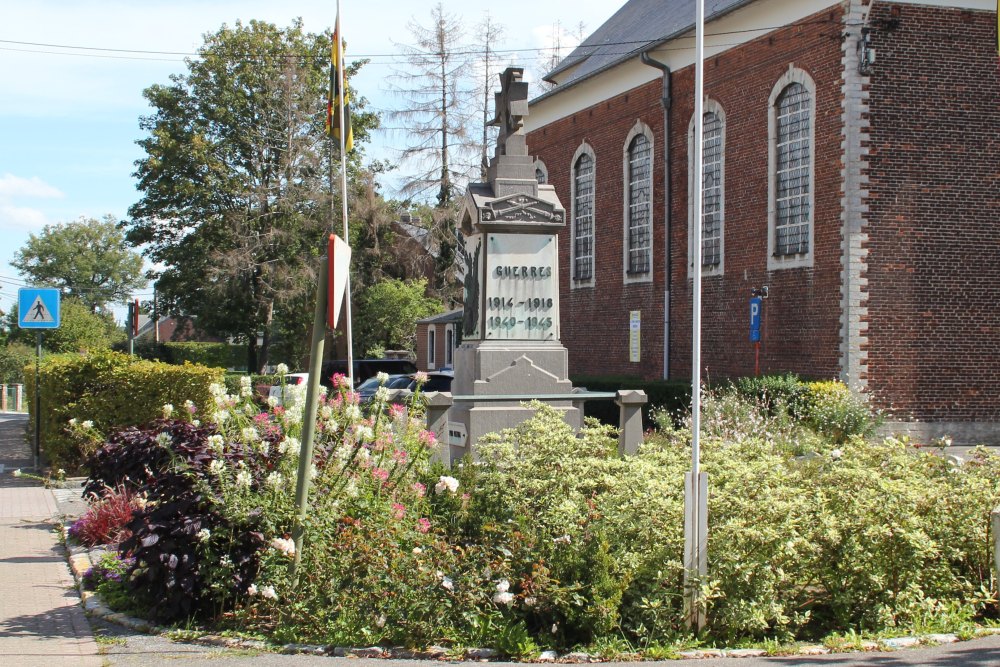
(851, 167)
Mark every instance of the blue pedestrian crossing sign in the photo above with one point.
(37, 308)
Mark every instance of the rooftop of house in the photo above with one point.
(637, 27)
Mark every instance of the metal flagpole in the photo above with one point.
(696, 482)
(343, 197)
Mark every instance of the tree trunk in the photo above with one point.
(252, 352)
(265, 349)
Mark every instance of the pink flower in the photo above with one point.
(396, 411)
(398, 511)
(380, 473)
(419, 489)
(420, 378)
(399, 456)
(340, 381)
(261, 417)
(423, 524)
(427, 438)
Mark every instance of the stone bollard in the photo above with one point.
(630, 424)
(18, 398)
(3, 398)
(438, 404)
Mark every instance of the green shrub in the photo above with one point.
(218, 355)
(15, 360)
(671, 396)
(110, 390)
(834, 410)
(774, 391)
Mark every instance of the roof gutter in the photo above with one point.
(665, 102)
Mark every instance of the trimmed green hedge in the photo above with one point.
(672, 395)
(111, 390)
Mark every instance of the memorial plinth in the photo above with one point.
(510, 327)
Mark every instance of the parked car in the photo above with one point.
(439, 381)
(291, 380)
(368, 388)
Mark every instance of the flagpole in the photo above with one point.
(696, 482)
(343, 196)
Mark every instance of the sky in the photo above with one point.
(69, 117)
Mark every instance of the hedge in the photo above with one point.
(671, 395)
(112, 390)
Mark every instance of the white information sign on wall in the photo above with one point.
(522, 287)
(634, 330)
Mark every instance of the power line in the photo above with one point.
(397, 57)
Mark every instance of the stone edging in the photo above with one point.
(80, 561)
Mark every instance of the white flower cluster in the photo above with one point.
(289, 444)
(284, 545)
(216, 467)
(203, 535)
(274, 480)
(168, 409)
(246, 386)
(266, 592)
(503, 595)
(446, 483)
(382, 394)
(382, 377)
(215, 443)
(281, 369)
(163, 439)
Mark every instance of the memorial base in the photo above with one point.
(507, 368)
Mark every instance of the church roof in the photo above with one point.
(638, 26)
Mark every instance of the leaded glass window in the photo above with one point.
(583, 218)
(711, 202)
(640, 181)
(792, 171)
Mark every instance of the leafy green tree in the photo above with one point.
(387, 314)
(80, 329)
(14, 357)
(87, 259)
(236, 180)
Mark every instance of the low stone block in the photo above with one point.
(480, 653)
(746, 653)
(900, 642)
(548, 656)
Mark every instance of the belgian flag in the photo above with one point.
(333, 108)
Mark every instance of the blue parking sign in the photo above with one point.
(756, 305)
(38, 308)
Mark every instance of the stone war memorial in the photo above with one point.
(510, 351)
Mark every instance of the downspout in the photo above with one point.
(665, 101)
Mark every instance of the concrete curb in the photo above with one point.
(80, 561)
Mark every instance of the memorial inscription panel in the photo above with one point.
(522, 287)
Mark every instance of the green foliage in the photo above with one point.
(387, 314)
(87, 259)
(80, 330)
(552, 539)
(833, 410)
(774, 391)
(235, 196)
(672, 397)
(110, 390)
(218, 355)
(14, 358)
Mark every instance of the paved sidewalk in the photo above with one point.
(41, 621)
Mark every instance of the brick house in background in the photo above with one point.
(852, 166)
(437, 338)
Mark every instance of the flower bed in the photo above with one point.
(551, 541)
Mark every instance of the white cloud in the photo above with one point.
(18, 218)
(21, 218)
(12, 186)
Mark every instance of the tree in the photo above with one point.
(80, 329)
(87, 259)
(436, 107)
(387, 314)
(235, 192)
(487, 68)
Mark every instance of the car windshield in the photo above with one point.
(371, 384)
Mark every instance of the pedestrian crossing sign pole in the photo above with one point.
(38, 308)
